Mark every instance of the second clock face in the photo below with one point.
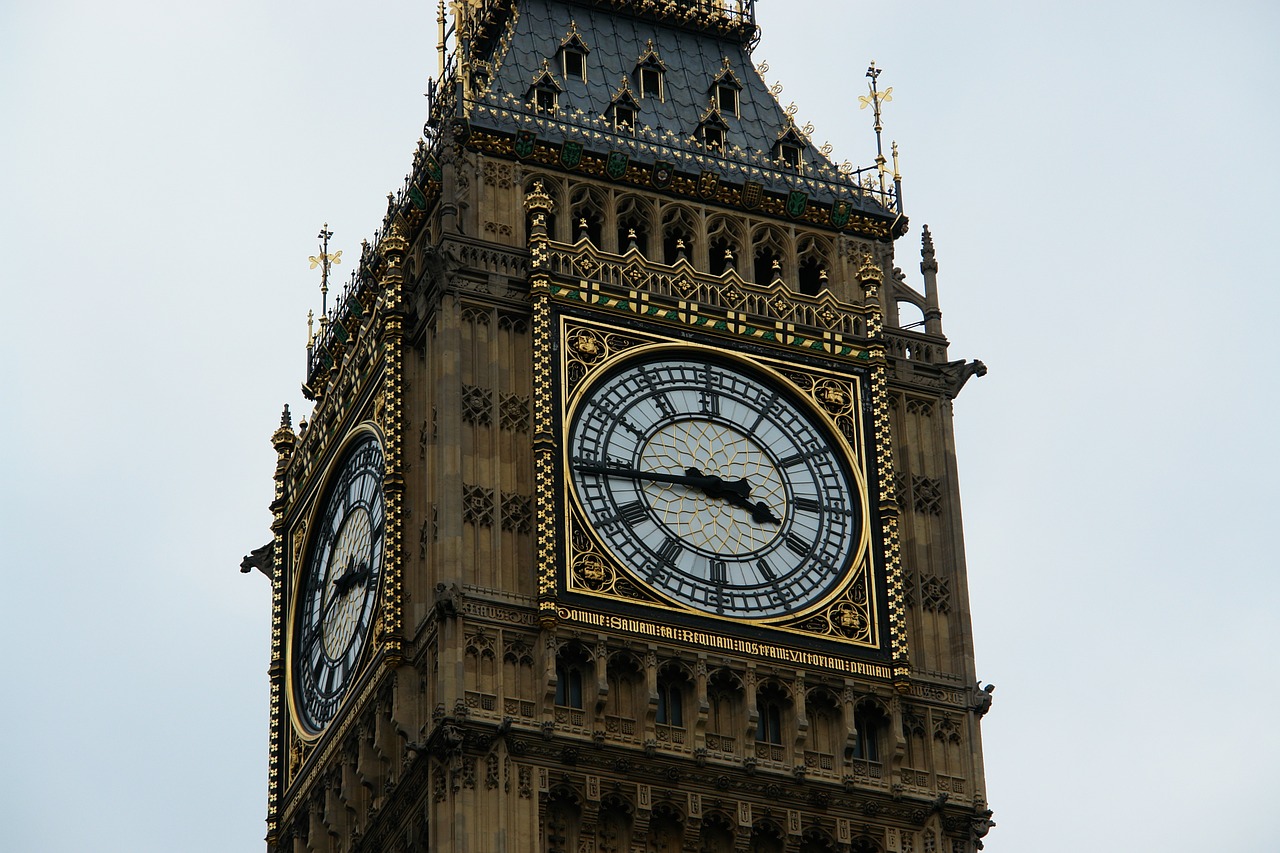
(713, 483)
(339, 584)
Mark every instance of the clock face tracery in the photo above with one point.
(339, 584)
(713, 484)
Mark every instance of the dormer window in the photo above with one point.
(712, 128)
(727, 99)
(573, 55)
(650, 83)
(649, 73)
(788, 151)
(544, 100)
(575, 64)
(725, 89)
(624, 108)
(544, 94)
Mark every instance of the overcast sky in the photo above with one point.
(1101, 182)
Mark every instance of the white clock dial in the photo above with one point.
(714, 484)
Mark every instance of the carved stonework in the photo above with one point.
(477, 505)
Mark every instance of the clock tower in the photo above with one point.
(626, 518)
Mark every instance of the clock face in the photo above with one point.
(715, 485)
(339, 584)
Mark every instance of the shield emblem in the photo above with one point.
(662, 174)
(524, 143)
(708, 183)
(433, 167)
(571, 154)
(797, 202)
(616, 166)
(840, 213)
(752, 192)
(417, 197)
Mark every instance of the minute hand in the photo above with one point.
(711, 486)
(735, 492)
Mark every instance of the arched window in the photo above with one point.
(773, 708)
(587, 215)
(666, 830)
(573, 671)
(724, 245)
(770, 257)
(869, 726)
(767, 837)
(717, 834)
(677, 235)
(633, 225)
(670, 702)
(625, 676)
(724, 713)
(826, 739)
(560, 825)
(613, 826)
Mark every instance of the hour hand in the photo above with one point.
(350, 577)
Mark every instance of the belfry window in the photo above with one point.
(624, 119)
(713, 137)
(545, 100)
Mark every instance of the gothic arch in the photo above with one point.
(678, 223)
(635, 213)
(769, 246)
(726, 244)
(587, 207)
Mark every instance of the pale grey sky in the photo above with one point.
(1100, 179)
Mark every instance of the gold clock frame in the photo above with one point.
(850, 612)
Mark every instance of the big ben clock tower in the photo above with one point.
(626, 518)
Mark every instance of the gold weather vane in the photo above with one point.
(324, 260)
(874, 99)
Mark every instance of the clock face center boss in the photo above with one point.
(714, 483)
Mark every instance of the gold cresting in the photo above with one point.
(394, 247)
(871, 277)
(539, 205)
(284, 440)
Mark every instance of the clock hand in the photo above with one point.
(350, 577)
(711, 486)
(735, 492)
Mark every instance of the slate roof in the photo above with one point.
(693, 61)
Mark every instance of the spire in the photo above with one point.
(929, 267)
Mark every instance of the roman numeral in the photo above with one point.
(719, 572)
(633, 513)
(808, 505)
(669, 551)
(798, 545)
(766, 571)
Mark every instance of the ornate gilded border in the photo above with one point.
(850, 614)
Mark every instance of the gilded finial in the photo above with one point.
(311, 335)
(324, 260)
(874, 98)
